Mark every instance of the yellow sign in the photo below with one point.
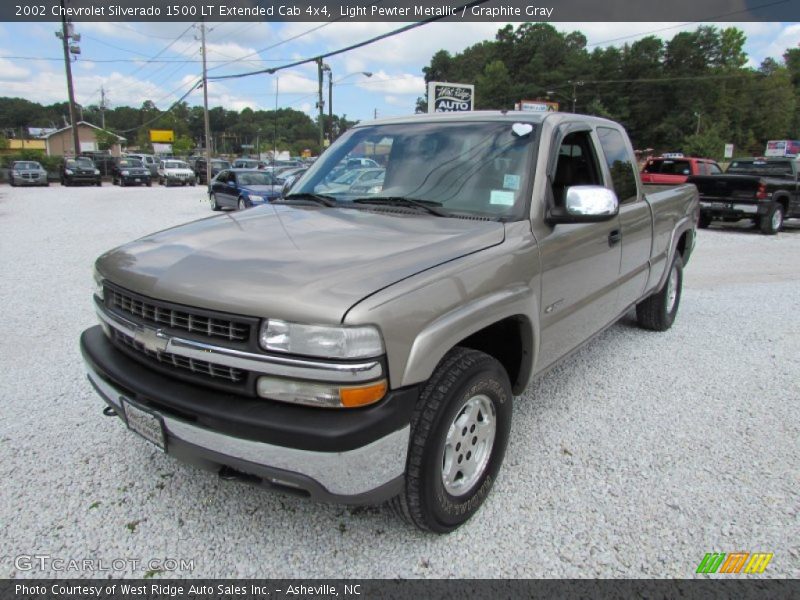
(306, 153)
(162, 135)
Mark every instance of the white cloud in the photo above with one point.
(292, 82)
(11, 72)
(402, 83)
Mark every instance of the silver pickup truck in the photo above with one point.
(364, 345)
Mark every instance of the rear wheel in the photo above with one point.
(657, 311)
(772, 222)
(459, 432)
(214, 205)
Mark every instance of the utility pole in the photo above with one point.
(102, 107)
(321, 106)
(205, 105)
(65, 34)
(330, 106)
(275, 124)
(575, 85)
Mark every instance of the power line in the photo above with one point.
(372, 40)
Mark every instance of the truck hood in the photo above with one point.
(300, 264)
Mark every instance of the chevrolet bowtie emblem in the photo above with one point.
(152, 339)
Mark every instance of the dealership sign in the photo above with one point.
(450, 97)
(536, 106)
(162, 135)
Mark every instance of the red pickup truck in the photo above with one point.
(673, 171)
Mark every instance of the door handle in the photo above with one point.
(614, 237)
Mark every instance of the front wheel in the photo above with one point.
(214, 205)
(657, 311)
(459, 432)
(242, 204)
(772, 222)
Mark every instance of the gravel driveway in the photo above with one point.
(633, 459)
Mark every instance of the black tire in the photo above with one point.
(704, 221)
(191, 183)
(122, 182)
(98, 183)
(772, 222)
(657, 312)
(242, 204)
(462, 376)
(149, 183)
(214, 205)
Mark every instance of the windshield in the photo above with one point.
(220, 164)
(669, 167)
(130, 162)
(255, 178)
(27, 165)
(83, 163)
(772, 168)
(474, 168)
(175, 164)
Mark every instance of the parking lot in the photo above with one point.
(633, 459)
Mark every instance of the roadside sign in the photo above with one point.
(537, 106)
(162, 135)
(728, 150)
(450, 97)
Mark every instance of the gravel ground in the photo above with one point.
(633, 459)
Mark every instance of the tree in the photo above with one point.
(105, 139)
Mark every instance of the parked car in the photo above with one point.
(672, 171)
(243, 188)
(247, 163)
(149, 161)
(290, 180)
(764, 190)
(217, 165)
(130, 171)
(360, 163)
(363, 349)
(347, 179)
(27, 172)
(175, 172)
(103, 161)
(79, 170)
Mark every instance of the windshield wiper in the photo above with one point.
(318, 198)
(426, 205)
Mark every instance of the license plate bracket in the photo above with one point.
(145, 423)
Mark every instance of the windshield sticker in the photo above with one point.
(521, 129)
(511, 182)
(502, 197)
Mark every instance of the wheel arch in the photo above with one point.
(499, 325)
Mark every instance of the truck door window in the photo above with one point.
(623, 177)
(713, 169)
(577, 165)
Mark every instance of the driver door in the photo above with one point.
(579, 261)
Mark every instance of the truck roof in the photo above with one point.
(511, 116)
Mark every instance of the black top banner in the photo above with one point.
(400, 10)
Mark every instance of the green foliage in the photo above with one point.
(657, 89)
(3, 142)
(105, 139)
(183, 145)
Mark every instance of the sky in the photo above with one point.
(134, 62)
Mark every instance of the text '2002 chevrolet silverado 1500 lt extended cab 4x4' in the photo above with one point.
(366, 347)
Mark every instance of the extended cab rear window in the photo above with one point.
(773, 168)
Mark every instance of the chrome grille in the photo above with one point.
(199, 367)
(178, 319)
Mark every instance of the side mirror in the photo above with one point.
(586, 204)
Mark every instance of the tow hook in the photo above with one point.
(109, 412)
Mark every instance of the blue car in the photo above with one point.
(243, 188)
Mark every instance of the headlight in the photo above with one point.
(68, 171)
(97, 171)
(98, 284)
(126, 172)
(256, 198)
(321, 340)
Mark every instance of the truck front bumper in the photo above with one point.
(355, 456)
